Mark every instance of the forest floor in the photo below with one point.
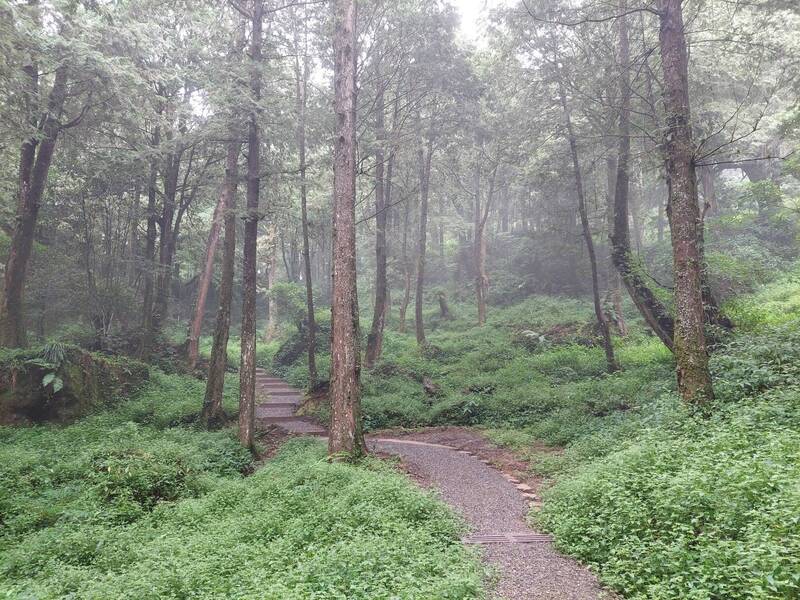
(488, 486)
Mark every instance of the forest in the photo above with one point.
(400, 299)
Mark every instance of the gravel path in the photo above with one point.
(493, 505)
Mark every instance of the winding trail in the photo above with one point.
(493, 504)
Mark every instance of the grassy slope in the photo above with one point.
(663, 504)
(135, 503)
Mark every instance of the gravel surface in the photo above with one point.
(492, 505)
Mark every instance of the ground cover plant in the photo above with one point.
(661, 501)
(136, 502)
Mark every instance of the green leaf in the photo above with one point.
(48, 379)
(58, 384)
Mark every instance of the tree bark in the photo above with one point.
(425, 157)
(481, 214)
(271, 328)
(375, 337)
(204, 282)
(694, 378)
(36, 155)
(247, 368)
(407, 271)
(614, 283)
(346, 438)
(602, 322)
(301, 80)
(654, 312)
(146, 342)
(212, 403)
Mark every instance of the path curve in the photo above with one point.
(493, 505)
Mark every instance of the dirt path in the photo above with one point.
(495, 508)
(492, 499)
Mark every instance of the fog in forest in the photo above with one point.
(268, 265)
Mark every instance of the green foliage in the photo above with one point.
(290, 300)
(699, 509)
(131, 504)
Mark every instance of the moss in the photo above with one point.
(88, 381)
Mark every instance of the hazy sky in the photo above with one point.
(473, 14)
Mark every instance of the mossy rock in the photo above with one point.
(35, 391)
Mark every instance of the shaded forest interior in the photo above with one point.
(570, 225)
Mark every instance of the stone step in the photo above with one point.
(285, 396)
(294, 405)
(280, 400)
(280, 392)
(282, 386)
(279, 419)
(299, 425)
(265, 411)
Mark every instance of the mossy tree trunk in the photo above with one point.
(694, 378)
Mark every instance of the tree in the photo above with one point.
(424, 158)
(217, 364)
(652, 309)
(247, 368)
(346, 438)
(602, 321)
(35, 158)
(301, 93)
(375, 337)
(691, 354)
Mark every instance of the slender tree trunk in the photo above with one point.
(212, 404)
(375, 337)
(694, 378)
(150, 257)
(346, 438)
(614, 283)
(481, 214)
(204, 282)
(301, 79)
(36, 155)
(271, 329)
(425, 157)
(247, 369)
(654, 312)
(602, 322)
(406, 270)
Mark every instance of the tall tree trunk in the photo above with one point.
(166, 245)
(375, 337)
(694, 378)
(247, 369)
(301, 79)
(654, 312)
(271, 328)
(212, 403)
(481, 214)
(614, 280)
(204, 282)
(602, 322)
(346, 438)
(36, 155)
(149, 257)
(425, 157)
(407, 271)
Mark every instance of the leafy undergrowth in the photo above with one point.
(663, 504)
(139, 503)
(691, 507)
